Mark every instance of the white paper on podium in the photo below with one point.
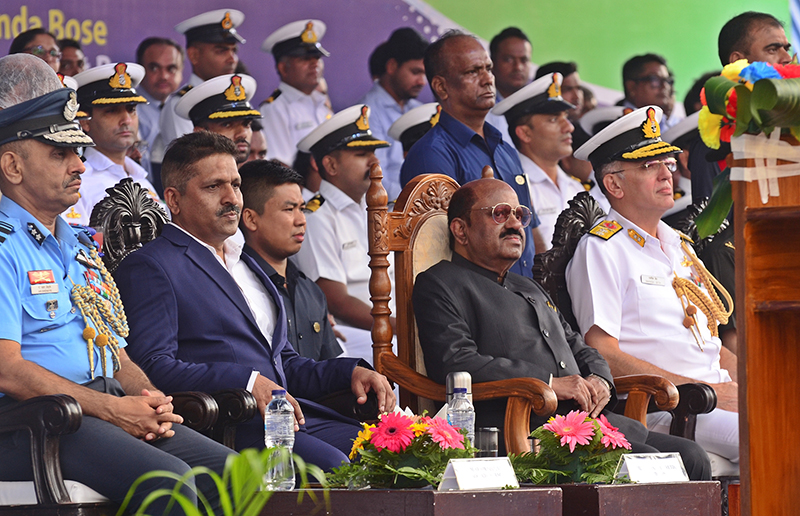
(483, 473)
(648, 468)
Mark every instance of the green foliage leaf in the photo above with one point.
(776, 103)
(743, 114)
(717, 89)
(719, 205)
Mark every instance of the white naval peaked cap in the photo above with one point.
(223, 97)
(216, 26)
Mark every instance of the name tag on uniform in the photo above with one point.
(304, 125)
(653, 280)
(349, 245)
(42, 282)
(548, 211)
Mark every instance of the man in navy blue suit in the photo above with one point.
(204, 316)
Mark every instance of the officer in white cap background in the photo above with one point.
(640, 294)
(335, 251)
(107, 95)
(222, 105)
(212, 49)
(539, 126)
(412, 126)
(296, 107)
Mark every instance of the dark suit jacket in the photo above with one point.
(468, 321)
(191, 328)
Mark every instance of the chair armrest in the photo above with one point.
(235, 406)
(45, 418)
(344, 402)
(199, 410)
(696, 398)
(524, 395)
(640, 388)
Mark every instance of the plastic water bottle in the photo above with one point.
(461, 413)
(279, 432)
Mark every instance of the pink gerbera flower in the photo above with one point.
(612, 437)
(394, 433)
(445, 435)
(573, 428)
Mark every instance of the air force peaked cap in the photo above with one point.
(221, 98)
(347, 129)
(300, 38)
(633, 137)
(213, 27)
(542, 96)
(49, 119)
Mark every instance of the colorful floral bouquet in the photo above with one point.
(747, 98)
(573, 449)
(402, 451)
(750, 98)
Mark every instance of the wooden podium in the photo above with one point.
(768, 321)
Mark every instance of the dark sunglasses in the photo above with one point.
(40, 51)
(501, 212)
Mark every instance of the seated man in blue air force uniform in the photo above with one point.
(62, 325)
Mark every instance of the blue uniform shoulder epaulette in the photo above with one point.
(85, 236)
(314, 203)
(606, 229)
(5, 230)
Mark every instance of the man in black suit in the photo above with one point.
(476, 316)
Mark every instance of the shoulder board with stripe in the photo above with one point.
(273, 97)
(314, 203)
(183, 91)
(5, 230)
(606, 229)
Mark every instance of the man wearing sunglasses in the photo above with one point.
(648, 82)
(475, 315)
(639, 293)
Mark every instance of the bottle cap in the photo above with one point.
(457, 390)
(279, 392)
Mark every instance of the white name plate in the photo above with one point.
(649, 468)
(483, 473)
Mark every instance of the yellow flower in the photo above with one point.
(732, 71)
(363, 437)
(710, 126)
(419, 428)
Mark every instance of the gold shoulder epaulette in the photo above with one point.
(5, 230)
(606, 229)
(273, 97)
(684, 236)
(314, 203)
(183, 91)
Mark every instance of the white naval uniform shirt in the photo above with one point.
(289, 118)
(172, 126)
(626, 290)
(102, 173)
(337, 243)
(548, 199)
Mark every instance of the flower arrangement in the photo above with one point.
(402, 451)
(750, 98)
(572, 449)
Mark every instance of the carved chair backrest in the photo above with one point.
(549, 268)
(416, 230)
(128, 218)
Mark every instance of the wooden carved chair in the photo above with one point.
(550, 271)
(416, 230)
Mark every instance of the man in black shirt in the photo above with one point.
(274, 227)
